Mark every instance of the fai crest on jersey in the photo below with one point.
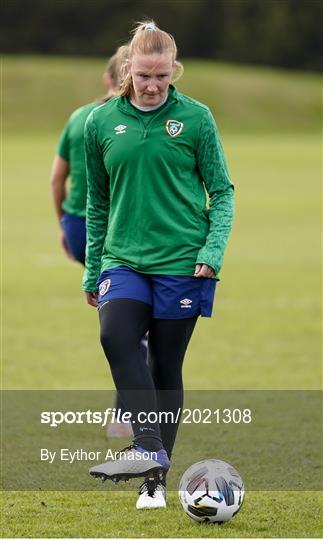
(174, 127)
(104, 287)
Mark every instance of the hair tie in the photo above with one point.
(150, 26)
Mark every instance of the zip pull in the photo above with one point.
(145, 134)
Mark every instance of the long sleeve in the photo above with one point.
(214, 172)
(97, 207)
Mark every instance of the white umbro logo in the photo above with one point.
(120, 129)
(185, 303)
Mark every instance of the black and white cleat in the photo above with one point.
(132, 462)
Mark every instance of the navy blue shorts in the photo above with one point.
(171, 297)
(75, 235)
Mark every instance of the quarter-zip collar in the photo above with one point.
(125, 106)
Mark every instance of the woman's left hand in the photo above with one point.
(203, 271)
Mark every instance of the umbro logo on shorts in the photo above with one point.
(104, 286)
(120, 129)
(185, 303)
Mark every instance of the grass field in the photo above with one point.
(265, 331)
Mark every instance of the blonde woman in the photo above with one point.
(154, 248)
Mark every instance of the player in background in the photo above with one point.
(70, 205)
(154, 248)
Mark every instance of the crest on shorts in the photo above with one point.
(174, 127)
(104, 286)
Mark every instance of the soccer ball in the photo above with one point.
(211, 491)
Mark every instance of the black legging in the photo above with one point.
(119, 405)
(123, 323)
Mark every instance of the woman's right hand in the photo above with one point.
(92, 298)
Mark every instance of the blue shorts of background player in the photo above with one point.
(75, 235)
(171, 297)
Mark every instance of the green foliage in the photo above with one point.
(279, 32)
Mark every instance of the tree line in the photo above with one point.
(284, 33)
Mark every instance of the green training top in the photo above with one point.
(71, 148)
(147, 176)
